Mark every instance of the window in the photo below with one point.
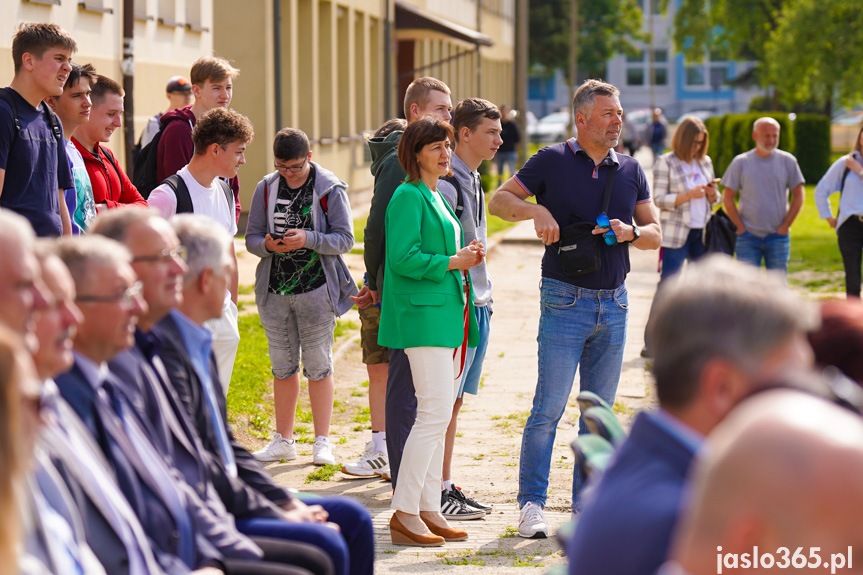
(97, 6)
(635, 76)
(168, 13)
(708, 75)
(695, 75)
(638, 69)
(141, 12)
(194, 21)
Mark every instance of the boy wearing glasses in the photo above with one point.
(220, 138)
(300, 225)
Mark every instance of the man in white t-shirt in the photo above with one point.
(220, 138)
(73, 110)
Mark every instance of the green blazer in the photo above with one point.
(423, 303)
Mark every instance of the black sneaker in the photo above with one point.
(454, 510)
(458, 494)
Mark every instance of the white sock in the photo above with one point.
(380, 439)
(447, 484)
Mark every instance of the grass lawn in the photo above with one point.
(815, 262)
(252, 378)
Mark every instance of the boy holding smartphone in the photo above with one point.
(300, 224)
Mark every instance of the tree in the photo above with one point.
(807, 50)
(738, 28)
(813, 55)
(606, 28)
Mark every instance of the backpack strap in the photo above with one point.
(459, 195)
(111, 161)
(50, 116)
(7, 97)
(184, 198)
(229, 194)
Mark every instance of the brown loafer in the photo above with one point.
(447, 533)
(401, 535)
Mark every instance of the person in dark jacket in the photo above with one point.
(708, 358)
(212, 84)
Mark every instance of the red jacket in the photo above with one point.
(110, 186)
(176, 148)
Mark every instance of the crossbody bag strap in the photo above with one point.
(606, 196)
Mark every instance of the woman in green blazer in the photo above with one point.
(427, 310)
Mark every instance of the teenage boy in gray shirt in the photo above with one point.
(763, 177)
(477, 133)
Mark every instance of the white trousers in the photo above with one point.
(226, 341)
(419, 485)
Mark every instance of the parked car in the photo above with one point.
(551, 128)
(634, 123)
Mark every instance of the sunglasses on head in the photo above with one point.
(609, 237)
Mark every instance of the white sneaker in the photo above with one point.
(322, 452)
(532, 523)
(279, 448)
(369, 464)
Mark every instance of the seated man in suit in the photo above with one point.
(720, 330)
(188, 527)
(71, 473)
(260, 506)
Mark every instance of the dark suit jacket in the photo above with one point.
(256, 481)
(99, 523)
(626, 527)
(136, 480)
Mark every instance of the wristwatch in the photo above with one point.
(636, 233)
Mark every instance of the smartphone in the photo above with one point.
(277, 237)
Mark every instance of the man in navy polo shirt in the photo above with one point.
(583, 318)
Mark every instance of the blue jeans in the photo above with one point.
(773, 249)
(576, 326)
(475, 355)
(352, 550)
(672, 259)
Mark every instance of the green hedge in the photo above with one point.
(812, 132)
(731, 135)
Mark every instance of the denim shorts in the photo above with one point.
(300, 324)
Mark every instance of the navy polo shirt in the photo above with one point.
(36, 166)
(565, 180)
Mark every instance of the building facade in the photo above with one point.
(337, 69)
(669, 81)
(169, 35)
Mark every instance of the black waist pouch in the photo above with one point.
(579, 250)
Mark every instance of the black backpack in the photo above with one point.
(184, 199)
(459, 195)
(144, 169)
(50, 116)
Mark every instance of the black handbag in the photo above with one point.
(720, 234)
(579, 249)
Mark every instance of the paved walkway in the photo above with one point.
(489, 440)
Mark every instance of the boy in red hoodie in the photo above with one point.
(212, 85)
(111, 186)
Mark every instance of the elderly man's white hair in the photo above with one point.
(207, 246)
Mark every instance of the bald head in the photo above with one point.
(785, 469)
(21, 289)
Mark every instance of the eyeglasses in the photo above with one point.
(292, 169)
(126, 299)
(609, 237)
(164, 256)
(698, 143)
